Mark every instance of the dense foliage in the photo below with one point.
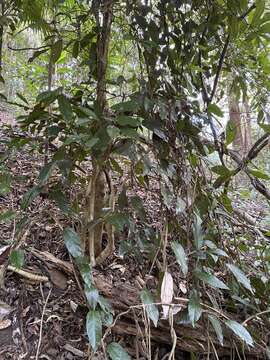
(136, 89)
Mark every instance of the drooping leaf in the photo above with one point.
(240, 276)
(73, 242)
(166, 293)
(65, 107)
(116, 352)
(17, 258)
(180, 255)
(194, 307)
(210, 279)
(230, 132)
(217, 327)
(151, 308)
(94, 328)
(240, 331)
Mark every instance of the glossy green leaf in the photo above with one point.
(151, 308)
(240, 331)
(194, 307)
(116, 352)
(217, 327)
(94, 328)
(240, 276)
(180, 255)
(73, 242)
(210, 279)
(16, 258)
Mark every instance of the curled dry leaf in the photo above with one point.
(166, 293)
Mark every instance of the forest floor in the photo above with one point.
(46, 320)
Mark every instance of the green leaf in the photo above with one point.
(56, 50)
(29, 196)
(221, 170)
(214, 109)
(65, 107)
(240, 276)
(197, 231)
(259, 175)
(118, 220)
(17, 258)
(230, 132)
(5, 183)
(124, 120)
(7, 215)
(138, 206)
(151, 309)
(75, 49)
(92, 296)
(265, 28)
(45, 173)
(94, 328)
(113, 131)
(116, 352)
(180, 255)
(240, 331)
(260, 5)
(22, 97)
(130, 105)
(210, 279)
(217, 327)
(73, 242)
(233, 24)
(194, 307)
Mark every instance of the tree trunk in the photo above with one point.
(247, 128)
(235, 117)
(2, 38)
(103, 12)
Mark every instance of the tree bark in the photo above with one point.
(235, 117)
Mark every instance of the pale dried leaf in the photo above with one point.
(5, 324)
(166, 293)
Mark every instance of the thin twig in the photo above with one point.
(41, 324)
